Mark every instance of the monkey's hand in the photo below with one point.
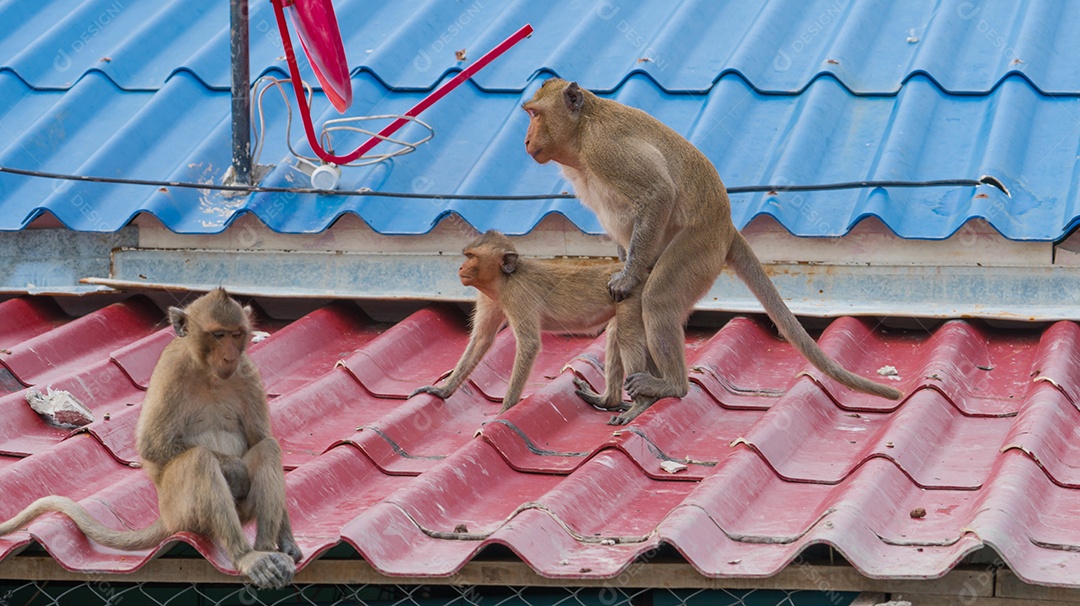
(622, 284)
(439, 392)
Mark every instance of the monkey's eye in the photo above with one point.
(220, 334)
(530, 111)
(239, 334)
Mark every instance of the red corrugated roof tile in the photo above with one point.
(309, 347)
(777, 459)
(54, 353)
(100, 385)
(23, 318)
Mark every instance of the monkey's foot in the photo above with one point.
(291, 549)
(629, 415)
(594, 399)
(439, 392)
(643, 384)
(267, 569)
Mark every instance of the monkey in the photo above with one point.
(663, 203)
(536, 295)
(203, 436)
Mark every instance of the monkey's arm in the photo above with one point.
(256, 418)
(487, 318)
(161, 437)
(527, 335)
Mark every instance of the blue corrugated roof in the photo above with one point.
(140, 90)
(871, 46)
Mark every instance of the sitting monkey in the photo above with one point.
(204, 439)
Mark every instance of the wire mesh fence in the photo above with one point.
(46, 593)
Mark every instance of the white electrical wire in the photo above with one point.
(257, 110)
(330, 126)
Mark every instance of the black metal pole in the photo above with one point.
(241, 92)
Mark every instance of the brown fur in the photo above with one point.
(664, 204)
(537, 295)
(204, 439)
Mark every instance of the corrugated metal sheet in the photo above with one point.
(779, 46)
(778, 458)
(821, 136)
(943, 90)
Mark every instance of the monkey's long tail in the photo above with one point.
(749, 269)
(128, 540)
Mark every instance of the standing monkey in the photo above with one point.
(663, 202)
(537, 295)
(204, 439)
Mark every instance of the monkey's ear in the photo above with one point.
(178, 319)
(573, 97)
(509, 262)
(249, 313)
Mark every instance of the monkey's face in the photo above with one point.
(216, 330)
(224, 349)
(487, 260)
(469, 272)
(553, 115)
(537, 138)
(485, 268)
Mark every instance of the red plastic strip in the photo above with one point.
(305, 111)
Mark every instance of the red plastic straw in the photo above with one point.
(427, 101)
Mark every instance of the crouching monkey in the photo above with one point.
(663, 203)
(204, 438)
(536, 295)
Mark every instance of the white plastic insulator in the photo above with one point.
(326, 176)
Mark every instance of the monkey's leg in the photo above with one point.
(613, 375)
(614, 371)
(634, 350)
(681, 276)
(592, 398)
(193, 495)
(627, 351)
(527, 334)
(266, 501)
(601, 401)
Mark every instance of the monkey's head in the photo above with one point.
(554, 116)
(488, 259)
(218, 330)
